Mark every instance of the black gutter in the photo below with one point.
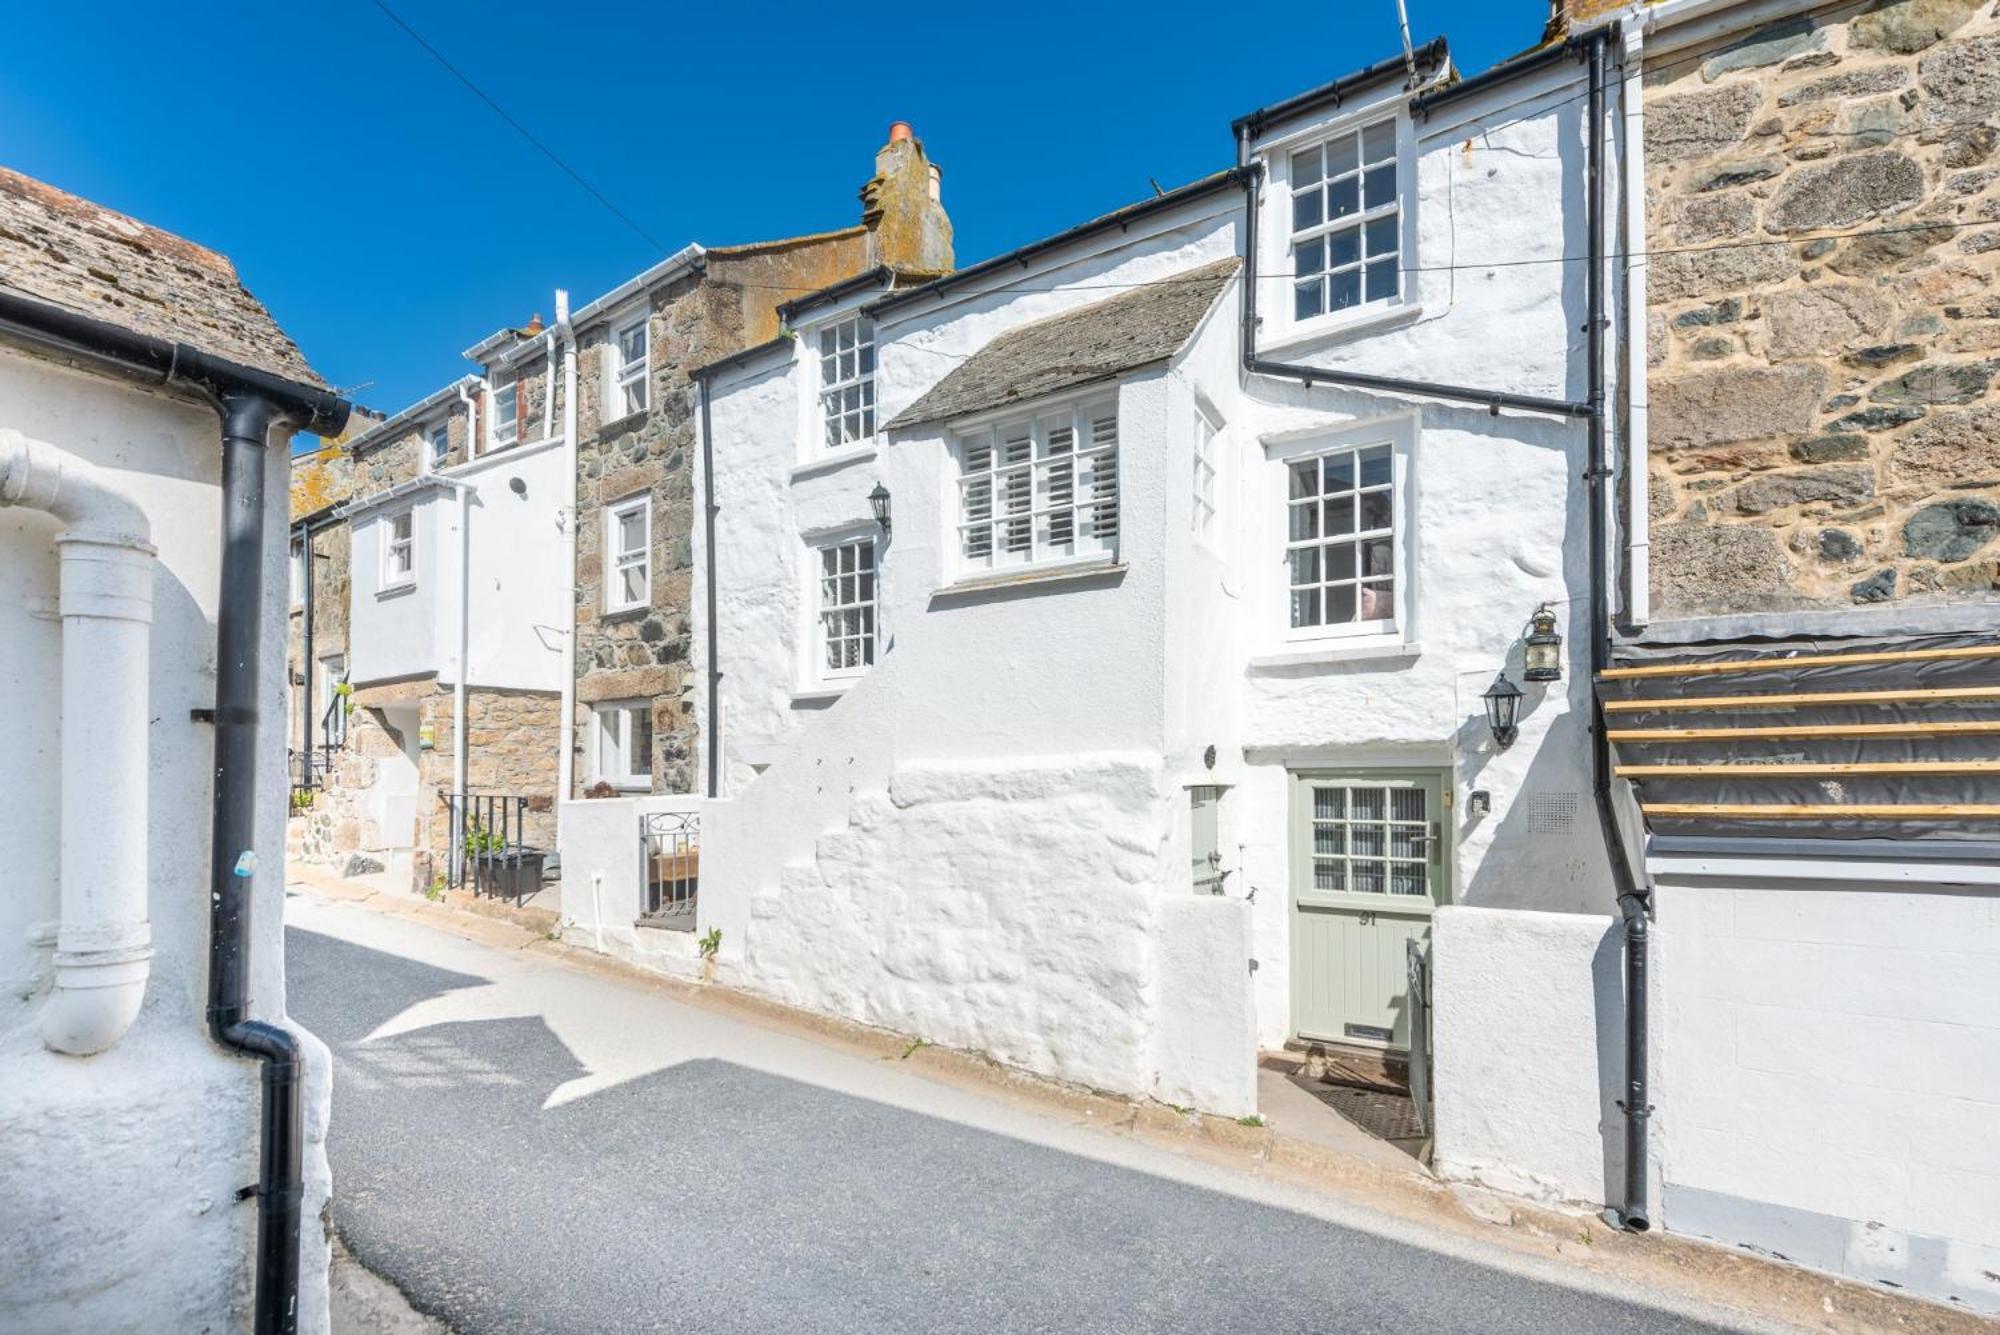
(1631, 893)
(1428, 56)
(702, 373)
(1125, 217)
(708, 542)
(867, 278)
(249, 402)
(1528, 62)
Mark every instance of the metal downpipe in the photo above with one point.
(246, 422)
(1632, 1214)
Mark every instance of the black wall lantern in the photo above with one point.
(878, 501)
(1543, 656)
(1503, 710)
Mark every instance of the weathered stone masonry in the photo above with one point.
(1824, 339)
(726, 306)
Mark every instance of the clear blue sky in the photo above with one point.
(389, 219)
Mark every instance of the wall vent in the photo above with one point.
(1552, 813)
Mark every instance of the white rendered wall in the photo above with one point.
(1829, 1082)
(403, 631)
(1527, 1034)
(1496, 507)
(117, 1190)
(603, 885)
(520, 590)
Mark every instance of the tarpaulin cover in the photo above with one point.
(1840, 746)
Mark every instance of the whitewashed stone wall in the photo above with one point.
(1829, 1076)
(118, 1207)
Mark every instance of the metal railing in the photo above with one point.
(489, 849)
(670, 850)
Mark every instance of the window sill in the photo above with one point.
(613, 615)
(396, 590)
(820, 695)
(1073, 572)
(1331, 655)
(1328, 329)
(833, 461)
(621, 423)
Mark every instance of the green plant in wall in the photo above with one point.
(345, 693)
(435, 890)
(479, 839)
(710, 943)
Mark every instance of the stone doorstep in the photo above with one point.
(1661, 1265)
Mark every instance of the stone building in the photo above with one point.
(454, 536)
(629, 352)
(1802, 698)
(316, 645)
(1823, 208)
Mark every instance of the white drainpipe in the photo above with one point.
(104, 944)
(566, 725)
(1638, 479)
(460, 814)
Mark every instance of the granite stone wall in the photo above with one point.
(1824, 323)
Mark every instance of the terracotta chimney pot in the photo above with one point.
(899, 131)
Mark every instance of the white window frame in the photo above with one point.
(1205, 499)
(438, 442)
(851, 589)
(845, 419)
(625, 375)
(332, 669)
(298, 568)
(617, 560)
(1397, 433)
(611, 723)
(389, 579)
(1055, 502)
(1282, 237)
(503, 431)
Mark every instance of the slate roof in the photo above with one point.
(72, 253)
(1137, 328)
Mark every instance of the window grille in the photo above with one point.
(628, 554)
(399, 550)
(847, 607)
(633, 345)
(1346, 221)
(847, 381)
(1341, 538)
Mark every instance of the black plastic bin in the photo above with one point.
(513, 873)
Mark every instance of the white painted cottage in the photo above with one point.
(163, 1120)
(1103, 692)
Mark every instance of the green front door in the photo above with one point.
(1370, 860)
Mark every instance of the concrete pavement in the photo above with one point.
(522, 1146)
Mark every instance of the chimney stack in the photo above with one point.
(902, 208)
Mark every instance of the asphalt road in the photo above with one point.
(522, 1147)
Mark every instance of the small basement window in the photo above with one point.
(624, 751)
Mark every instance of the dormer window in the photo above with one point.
(1347, 222)
(847, 381)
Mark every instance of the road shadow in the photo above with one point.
(713, 1197)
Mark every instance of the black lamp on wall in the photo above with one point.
(878, 501)
(1503, 710)
(1542, 658)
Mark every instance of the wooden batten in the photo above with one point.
(1826, 811)
(1807, 770)
(1797, 699)
(1803, 661)
(1807, 730)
